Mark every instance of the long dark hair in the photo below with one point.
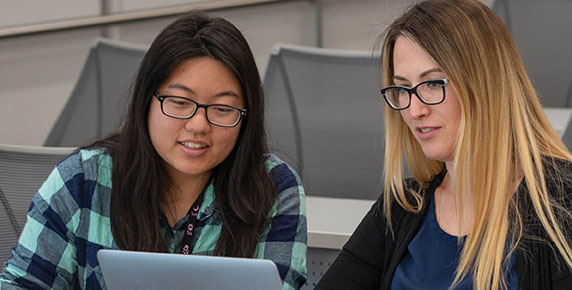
(244, 189)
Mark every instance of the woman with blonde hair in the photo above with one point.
(490, 202)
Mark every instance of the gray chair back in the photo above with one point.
(318, 262)
(323, 115)
(100, 96)
(541, 31)
(23, 169)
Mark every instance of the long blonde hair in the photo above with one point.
(503, 136)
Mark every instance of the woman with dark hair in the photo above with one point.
(189, 168)
(489, 206)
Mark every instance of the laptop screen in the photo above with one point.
(142, 270)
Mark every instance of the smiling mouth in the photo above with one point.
(425, 130)
(193, 145)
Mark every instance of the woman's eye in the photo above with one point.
(434, 85)
(403, 92)
(180, 103)
(222, 109)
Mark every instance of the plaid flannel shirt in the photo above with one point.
(68, 222)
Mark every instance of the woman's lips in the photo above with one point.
(427, 132)
(194, 148)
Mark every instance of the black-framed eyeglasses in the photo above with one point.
(183, 108)
(429, 92)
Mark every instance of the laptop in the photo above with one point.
(142, 270)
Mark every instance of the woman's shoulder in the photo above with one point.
(555, 165)
(94, 164)
(272, 160)
(72, 184)
(285, 178)
(82, 158)
(558, 174)
(279, 169)
(558, 179)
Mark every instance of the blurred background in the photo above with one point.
(44, 44)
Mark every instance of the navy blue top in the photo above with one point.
(432, 258)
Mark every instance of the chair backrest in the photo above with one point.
(541, 31)
(324, 116)
(318, 262)
(100, 96)
(23, 169)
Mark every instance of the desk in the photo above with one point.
(558, 118)
(331, 221)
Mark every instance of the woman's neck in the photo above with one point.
(447, 209)
(183, 193)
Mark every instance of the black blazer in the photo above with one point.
(369, 259)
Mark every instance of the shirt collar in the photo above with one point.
(208, 206)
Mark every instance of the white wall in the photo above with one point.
(37, 72)
(21, 12)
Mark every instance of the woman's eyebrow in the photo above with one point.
(189, 90)
(181, 87)
(399, 78)
(425, 73)
(226, 94)
(422, 75)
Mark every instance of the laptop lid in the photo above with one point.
(142, 270)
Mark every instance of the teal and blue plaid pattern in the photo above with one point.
(68, 222)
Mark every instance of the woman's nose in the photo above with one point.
(198, 123)
(417, 108)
